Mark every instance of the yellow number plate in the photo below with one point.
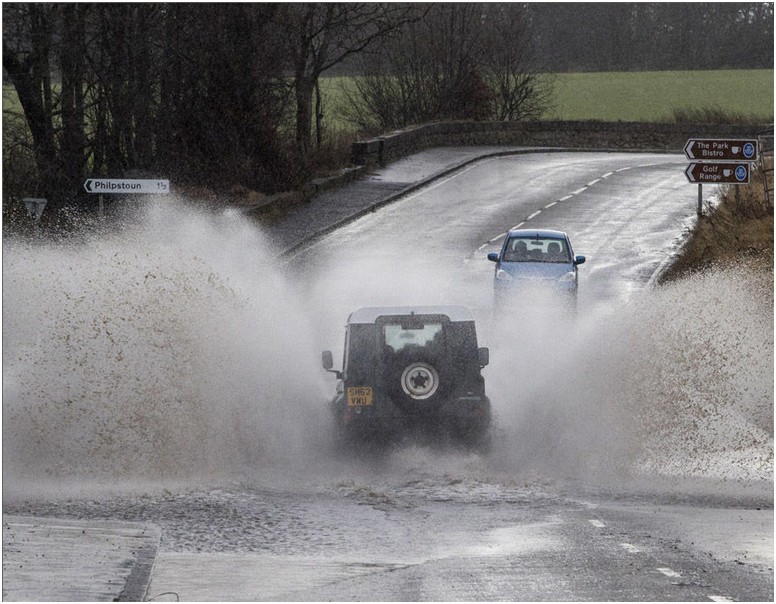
(359, 396)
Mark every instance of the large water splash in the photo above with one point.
(177, 349)
(678, 384)
(170, 349)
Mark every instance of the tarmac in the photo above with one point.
(332, 209)
(51, 559)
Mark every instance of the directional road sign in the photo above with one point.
(715, 149)
(125, 186)
(718, 172)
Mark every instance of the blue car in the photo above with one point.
(536, 265)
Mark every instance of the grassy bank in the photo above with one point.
(738, 230)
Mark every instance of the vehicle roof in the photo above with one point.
(372, 313)
(537, 233)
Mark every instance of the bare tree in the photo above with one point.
(320, 36)
(222, 95)
(27, 48)
(462, 61)
(510, 67)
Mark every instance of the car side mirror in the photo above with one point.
(483, 355)
(327, 360)
(579, 259)
(493, 256)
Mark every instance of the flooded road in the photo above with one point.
(170, 373)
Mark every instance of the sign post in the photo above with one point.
(125, 186)
(719, 161)
(34, 207)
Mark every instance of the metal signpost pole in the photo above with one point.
(700, 200)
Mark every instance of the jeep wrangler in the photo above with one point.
(411, 372)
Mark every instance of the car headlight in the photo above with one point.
(568, 277)
(502, 275)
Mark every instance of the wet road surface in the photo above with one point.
(633, 458)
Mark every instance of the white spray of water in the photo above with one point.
(169, 350)
(178, 350)
(677, 384)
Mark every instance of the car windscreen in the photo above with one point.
(536, 249)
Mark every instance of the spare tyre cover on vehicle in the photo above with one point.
(418, 380)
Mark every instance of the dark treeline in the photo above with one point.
(652, 36)
(218, 95)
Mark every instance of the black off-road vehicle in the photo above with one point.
(411, 372)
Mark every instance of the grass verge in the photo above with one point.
(738, 230)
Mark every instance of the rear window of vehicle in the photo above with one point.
(536, 249)
(398, 337)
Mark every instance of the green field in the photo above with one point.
(653, 96)
(646, 96)
(614, 96)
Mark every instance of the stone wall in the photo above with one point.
(570, 134)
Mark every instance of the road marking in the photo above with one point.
(670, 573)
(720, 599)
(597, 523)
(631, 549)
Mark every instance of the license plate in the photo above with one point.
(359, 396)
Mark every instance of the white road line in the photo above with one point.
(578, 191)
(597, 523)
(534, 215)
(631, 549)
(593, 182)
(517, 226)
(623, 169)
(720, 599)
(483, 246)
(670, 573)
(607, 175)
(565, 198)
(549, 205)
(497, 237)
